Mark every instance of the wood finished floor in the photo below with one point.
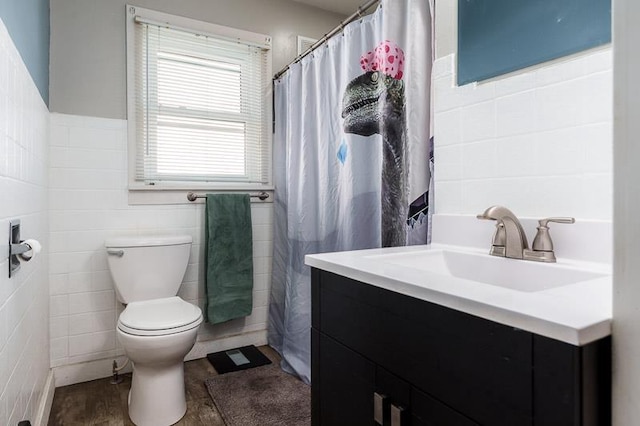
(100, 403)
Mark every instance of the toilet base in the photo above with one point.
(157, 395)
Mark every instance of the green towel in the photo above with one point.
(229, 257)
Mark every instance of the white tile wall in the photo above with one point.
(24, 307)
(89, 203)
(538, 141)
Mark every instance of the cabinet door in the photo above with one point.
(342, 391)
(397, 394)
(482, 368)
(428, 411)
(572, 385)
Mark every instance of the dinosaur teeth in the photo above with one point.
(357, 105)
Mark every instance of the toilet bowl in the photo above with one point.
(156, 329)
(156, 336)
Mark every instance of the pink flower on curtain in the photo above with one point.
(387, 57)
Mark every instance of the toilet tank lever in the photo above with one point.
(113, 252)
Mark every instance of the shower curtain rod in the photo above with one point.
(357, 14)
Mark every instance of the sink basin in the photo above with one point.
(525, 276)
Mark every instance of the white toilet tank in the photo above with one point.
(145, 268)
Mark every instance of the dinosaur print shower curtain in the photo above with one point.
(351, 157)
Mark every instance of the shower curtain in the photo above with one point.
(351, 157)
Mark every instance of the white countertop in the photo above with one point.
(578, 313)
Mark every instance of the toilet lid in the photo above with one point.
(159, 316)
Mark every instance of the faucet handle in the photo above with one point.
(544, 222)
(542, 241)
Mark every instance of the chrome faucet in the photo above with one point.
(510, 239)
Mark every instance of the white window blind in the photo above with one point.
(200, 108)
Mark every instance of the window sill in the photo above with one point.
(158, 195)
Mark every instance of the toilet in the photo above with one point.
(156, 329)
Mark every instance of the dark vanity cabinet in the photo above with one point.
(383, 358)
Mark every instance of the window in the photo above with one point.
(198, 104)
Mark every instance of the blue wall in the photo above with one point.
(28, 25)
(499, 36)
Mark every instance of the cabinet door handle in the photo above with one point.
(397, 414)
(379, 401)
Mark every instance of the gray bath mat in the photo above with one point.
(262, 396)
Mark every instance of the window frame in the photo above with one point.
(171, 191)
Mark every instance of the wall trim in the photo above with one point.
(71, 374)
(46, 401)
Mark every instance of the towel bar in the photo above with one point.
(262, 196)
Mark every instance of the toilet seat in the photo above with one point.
(159, 317)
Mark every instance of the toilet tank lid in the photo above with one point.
(148, 241)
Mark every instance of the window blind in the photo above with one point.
(200, 108)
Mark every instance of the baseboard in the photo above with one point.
(85, 371)
(46, 400)
(202, 348)
(92, 370)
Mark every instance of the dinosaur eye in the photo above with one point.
(375, 76)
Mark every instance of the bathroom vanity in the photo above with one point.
(417, 346)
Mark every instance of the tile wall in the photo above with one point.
(24, 302)
(537, 140)
(88, 204)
